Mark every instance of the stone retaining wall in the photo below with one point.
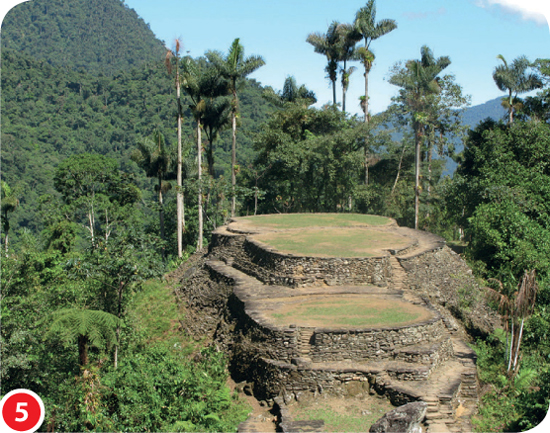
(272, 267)
(371, 344)
(433, 355)
(444, 277)
(276, 378)
(282, 343)
(273, 378)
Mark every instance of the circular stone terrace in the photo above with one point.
(328, 243)
(326, 235)
(326, 303)
(344, 310)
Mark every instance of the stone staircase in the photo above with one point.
(398, 274)
(304, 342)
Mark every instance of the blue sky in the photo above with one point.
(471, 32)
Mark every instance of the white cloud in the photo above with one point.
(533, 10)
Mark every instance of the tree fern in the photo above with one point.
(84, 327)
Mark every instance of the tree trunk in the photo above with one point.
(517, 346)
(161, 210)
(344, 89)
(179, 194)
(91, 222)
(366, 165)
(334, 92)
(511, 347)
(210, 157)
(116, 346)
(398, 170)
(418, 136)
(511, 109)
(429, 189)
(366, 104)
(83, 350)
(233, 160)
(199, 163)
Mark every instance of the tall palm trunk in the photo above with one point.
(366, 165)
(511, 108)
(366, 102)
(199, 163)
(417, 142)
(233, 154)
(179, 194)
(161, 209)
(344, 72)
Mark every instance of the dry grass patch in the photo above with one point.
(342, 414)
(293, 221)
(334, 242)
(346, 311)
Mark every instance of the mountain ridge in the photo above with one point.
(101, 37)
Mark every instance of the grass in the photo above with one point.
(293, 221)
(154, 309)
(343, 415)
(352, 311)
(333, 242)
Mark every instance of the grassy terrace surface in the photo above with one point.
(347, 311)
(342, 415)
(293, 221)
(333, 242)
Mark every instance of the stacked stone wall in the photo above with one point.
(434, 355)
(371, 344)
(442, 276)
(274, 378)
(272, 267)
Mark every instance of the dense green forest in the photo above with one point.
(90, 174)
(100, 37)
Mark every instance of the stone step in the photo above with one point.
(434, 415)
(438, 427)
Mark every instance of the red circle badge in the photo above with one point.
(21, 411)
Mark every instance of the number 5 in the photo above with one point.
(23, 411)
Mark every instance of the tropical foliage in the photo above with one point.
(90, 220)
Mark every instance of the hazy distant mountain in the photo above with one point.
(493, 109)
(98, 36)
(471, 117)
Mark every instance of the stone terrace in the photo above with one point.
(421, 361)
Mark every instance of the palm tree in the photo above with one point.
(419, 81)
(370, 30)
(216, 117)
(180, 210)
(349, 37)
(201, 84)
(515, 79)
(328, 44)
(155, 158)
(9, 203)
(234, 67)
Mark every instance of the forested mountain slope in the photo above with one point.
(493, 109)
(98, 36)
(74, 112)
